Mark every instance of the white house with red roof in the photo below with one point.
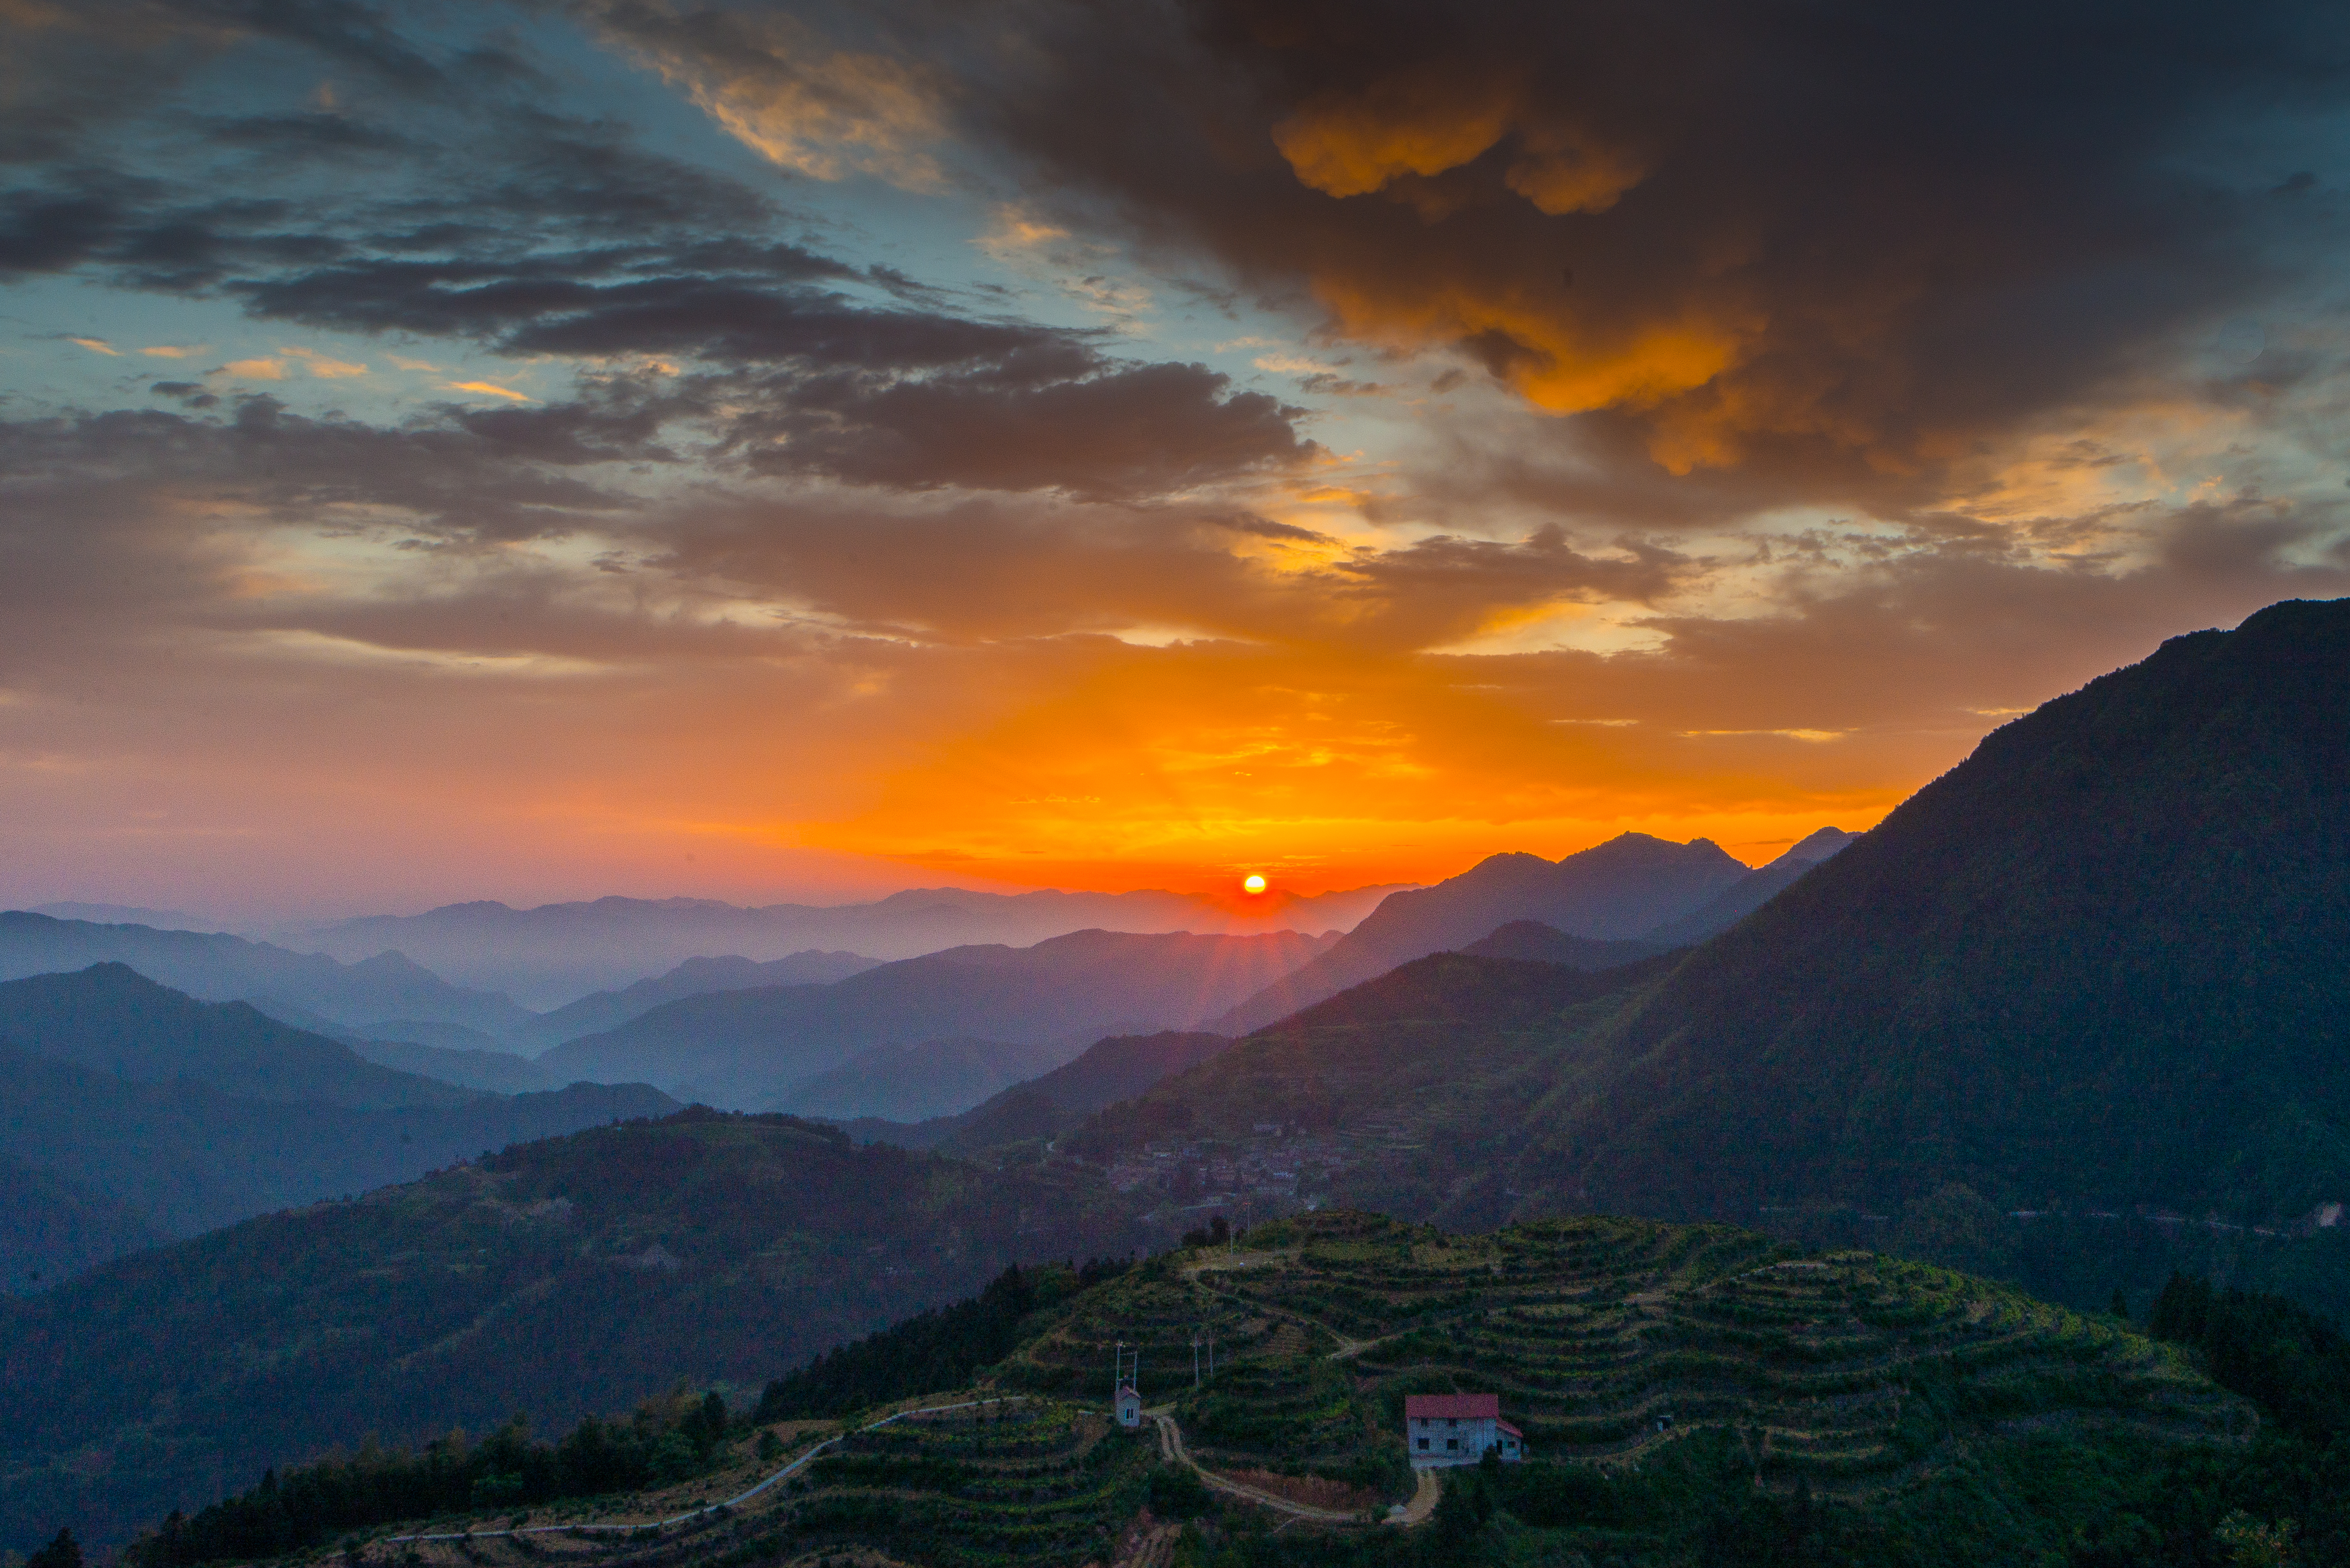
(1457, 1430)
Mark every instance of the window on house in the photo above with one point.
(1451, 1442)
(1423, 1442)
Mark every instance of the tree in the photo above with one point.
(64, 1551)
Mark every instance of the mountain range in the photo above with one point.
(195, 1115)
(2087, 984)
(217, 966)
(2073, 1011)
(555, 953)
(603, 1010)
(2098, 964)
(1632, 888)
(753, 1049)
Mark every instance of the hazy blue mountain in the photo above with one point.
(918, 1081)
(1758, 888)
(190, 1158)
(52, 1229)
(694, 977)
(220, 967)
(744, 1047)
(129, 915)
(1611, 892)
(1530, 939)
(111, 1019)
(1108, 1071)
(468, 1066)
(552, 954)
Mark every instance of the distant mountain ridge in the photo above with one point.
(605, 1010)
(1107, 1072)
(1611, 892)
(111, 1019)
(198, 1113)
(918, 1079)
(556, 952)
(749, 1048)
(217, 967)
(1750, 892)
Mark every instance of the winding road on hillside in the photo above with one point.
(1171, 1449)
(708, 1509)
(1426, 1487)
(1425, 1490)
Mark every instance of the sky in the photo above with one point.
(767, 451)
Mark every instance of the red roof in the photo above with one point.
(1461, 1407)
(1504, 1425)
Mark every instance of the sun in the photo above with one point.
(1252, 883)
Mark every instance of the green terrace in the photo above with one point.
(1607, 1341)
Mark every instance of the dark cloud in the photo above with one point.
(1108, 431)
(533, 232)
(464, 477)
(314, 134)
(1826, 249)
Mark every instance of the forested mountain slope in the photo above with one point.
(560, 1278)
(2102, 963)
(51, 1229)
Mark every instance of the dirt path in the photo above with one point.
(707, 1509)
(1171, 1449)
(1426, 1489)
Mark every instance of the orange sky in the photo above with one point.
(839, 451)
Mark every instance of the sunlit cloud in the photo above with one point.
(325, 367)
(96, 345)
(487, 390)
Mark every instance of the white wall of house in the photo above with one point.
(1450, 1439)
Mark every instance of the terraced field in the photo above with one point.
(996, 1482)
(1607, 1339)
(1703, 1395)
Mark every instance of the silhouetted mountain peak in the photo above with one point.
(2097, 964)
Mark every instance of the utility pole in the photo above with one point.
(1195, 1358)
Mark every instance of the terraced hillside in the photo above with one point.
(955, 1480)
(1692, 1394)
(1607, 1341)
